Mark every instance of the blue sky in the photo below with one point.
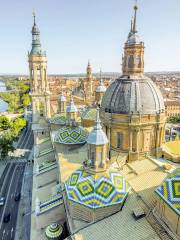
(73, 31)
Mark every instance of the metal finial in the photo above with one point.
(34, 16)
(135, 13)
(98, 120)
(89, 64)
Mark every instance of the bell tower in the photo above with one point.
(88, 82)
(40, 94)
(133, 59)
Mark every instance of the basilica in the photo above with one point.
(101, 166)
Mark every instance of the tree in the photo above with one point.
(10, 130)
(18, 125)
(174, 119)
(26, 100)
(4, 123)
(6, 143)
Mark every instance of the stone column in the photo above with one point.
(137, 140)
(35, 79)
(42, 79)
(157, 136)
(130, 141)
(48, 110)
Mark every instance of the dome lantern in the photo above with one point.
(133, 60)
(97, 146)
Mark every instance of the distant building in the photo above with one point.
(172, 107)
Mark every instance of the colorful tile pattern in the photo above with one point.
(71, 135)
(54, 231)
(96, 191)
(47, 167)
(51, 203)
(89, 114)
(58, 119)
(169, 191)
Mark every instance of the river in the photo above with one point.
(3, 105)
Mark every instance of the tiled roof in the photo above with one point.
(71, 135)
(89, 114)
(58, 119)
(120, 226)
(53, 202)
(45, 151)
(47, 166)
(169, 191)
(96, 191)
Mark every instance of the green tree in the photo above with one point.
(4, 123)
(6, 143)
(174, 119)
(23, 88)
(17, 125)
(26, 100)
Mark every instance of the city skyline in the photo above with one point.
(70, 42)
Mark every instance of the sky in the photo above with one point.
(73, 31)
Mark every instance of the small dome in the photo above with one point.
(133, 95)
(35, 29)
(101, 89)
(133, 39)
(169, 191)
(58, 119)
(54, 231)
(97, 135)
(71, 107)
(97, 191)
(71, 136)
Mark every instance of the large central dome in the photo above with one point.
(133, 96)
(132, 109)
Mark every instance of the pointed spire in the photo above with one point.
(131, 29)
(132, 24)
(36, 44)
(98, 121)
(135, 15)
(34, 16)
(71, 107)
(101, 80)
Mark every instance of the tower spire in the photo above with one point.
(98, 121)
(131, 29)
(101, 81)
(135, 15)
(36, 44)
(34, 16)
(133, 60)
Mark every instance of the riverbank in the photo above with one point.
(15, 93)
(3, 103)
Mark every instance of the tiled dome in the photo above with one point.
(132, 96)
(169, 191)
(98, 190)
(71, 135)
(54, 231)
